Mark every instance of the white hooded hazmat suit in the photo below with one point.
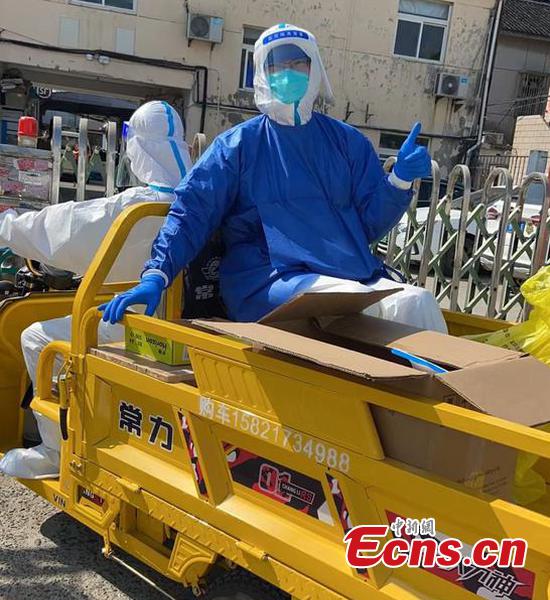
(68, 235)
(319, 84)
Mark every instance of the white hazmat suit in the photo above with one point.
(68, 235)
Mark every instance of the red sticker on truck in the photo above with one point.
(193, 455)
(91, 496)
(343, 512)
(278, 482)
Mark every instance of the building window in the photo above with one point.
(125, 5)
(69, 30)
(391, 142)
(250, 35)
(124, 40)
(532, 96)
(422, 29)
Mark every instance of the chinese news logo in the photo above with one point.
(494, 565)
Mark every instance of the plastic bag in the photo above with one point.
(532, 337)
(529, 485)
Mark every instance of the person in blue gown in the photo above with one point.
(297, 195)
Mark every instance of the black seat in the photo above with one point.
(202, 283)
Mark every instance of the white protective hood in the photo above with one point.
(67, 235)
(155, 145)
(318, 80)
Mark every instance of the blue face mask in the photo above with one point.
(288, 86)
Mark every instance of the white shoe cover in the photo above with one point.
(50, 432)
(39, 462)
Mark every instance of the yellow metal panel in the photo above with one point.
(212, 527)
(190, 560)
(15, 316)
(461, 324)
(299, 404)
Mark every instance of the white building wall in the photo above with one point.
(378, 91)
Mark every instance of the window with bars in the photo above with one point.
(250, 35)
(422, 29)
(126, 5)
(390, 143)
(532, 96)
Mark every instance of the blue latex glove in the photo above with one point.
(413, 161)
(148, 292)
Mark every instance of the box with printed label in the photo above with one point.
(156, 347)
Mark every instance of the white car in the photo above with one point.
(530, 220)
(438, 234)
(529, 223)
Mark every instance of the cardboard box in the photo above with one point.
(329, 330)
(156, 347)
(461, 458)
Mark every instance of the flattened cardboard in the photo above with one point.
(321, 353)
(515, 390)
(311, 305)
(442, 349)
(169, 374)
(492, 380)
(326, 330)
(496, 381)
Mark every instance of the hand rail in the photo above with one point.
(44, 374)
(104, 260)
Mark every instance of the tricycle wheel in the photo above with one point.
(241, 585)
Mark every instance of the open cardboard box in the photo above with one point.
(329, 330)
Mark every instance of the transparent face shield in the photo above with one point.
(287, 68)
(289, 75)
(125, 177)
(287, 56)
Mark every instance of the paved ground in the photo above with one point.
(45, 555)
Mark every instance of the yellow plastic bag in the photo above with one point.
(537, 289)
(532, 337)
(529, 486)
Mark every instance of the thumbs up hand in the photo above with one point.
(413, 160)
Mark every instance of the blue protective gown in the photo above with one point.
(292, 202)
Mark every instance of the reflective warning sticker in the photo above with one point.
(193, 455)
(91, 497)
(343, 512)
(278, 482)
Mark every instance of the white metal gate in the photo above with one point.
(475, 251)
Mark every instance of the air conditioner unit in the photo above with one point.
(205, 28)
(493, 138)
(451, 85)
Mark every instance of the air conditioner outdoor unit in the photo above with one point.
(205, 28)
(493, 138)
(451, 85)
